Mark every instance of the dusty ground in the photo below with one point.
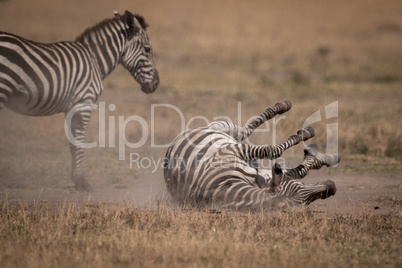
(356, 191)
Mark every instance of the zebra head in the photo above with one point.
(296, 192)
(137, 56)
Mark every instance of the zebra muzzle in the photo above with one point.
(150, 87)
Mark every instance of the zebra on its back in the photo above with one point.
(209, 166)
(43, 79)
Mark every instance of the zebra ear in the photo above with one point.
(277, 176)
(131, 21)
(116, 14)
(137, 23)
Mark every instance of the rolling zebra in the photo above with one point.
(39, 79)
(210, 167)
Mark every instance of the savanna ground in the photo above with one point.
(215, 58)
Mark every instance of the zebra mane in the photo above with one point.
(141, 20)
(105, 22)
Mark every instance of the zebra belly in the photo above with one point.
(222, 183)
(187, 158)
(210, 174)
(27, 102)
(19, 100)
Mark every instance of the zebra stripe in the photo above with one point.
(43, 79)
(209, 166)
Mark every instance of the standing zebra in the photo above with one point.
(43, 79)
(209, 166)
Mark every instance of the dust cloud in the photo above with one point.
(148, 190)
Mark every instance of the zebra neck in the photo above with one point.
(105, 45)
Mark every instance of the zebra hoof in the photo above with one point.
(306, 133)
(283, 106)
(311, 150)
(331, 189)
(331, 159)
(323, 159)
(277, 175)
(83, 187)
(277, 169)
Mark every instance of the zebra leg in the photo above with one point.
(269, 113)
(78, 129)
(249, 152)
(318, 159)
(242, 133)
(295, 192)
(312, 160)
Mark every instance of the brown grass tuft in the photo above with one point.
(94, 235)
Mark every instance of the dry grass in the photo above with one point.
(98, 235)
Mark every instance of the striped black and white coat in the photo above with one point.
(209, 166)
(39, 79)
